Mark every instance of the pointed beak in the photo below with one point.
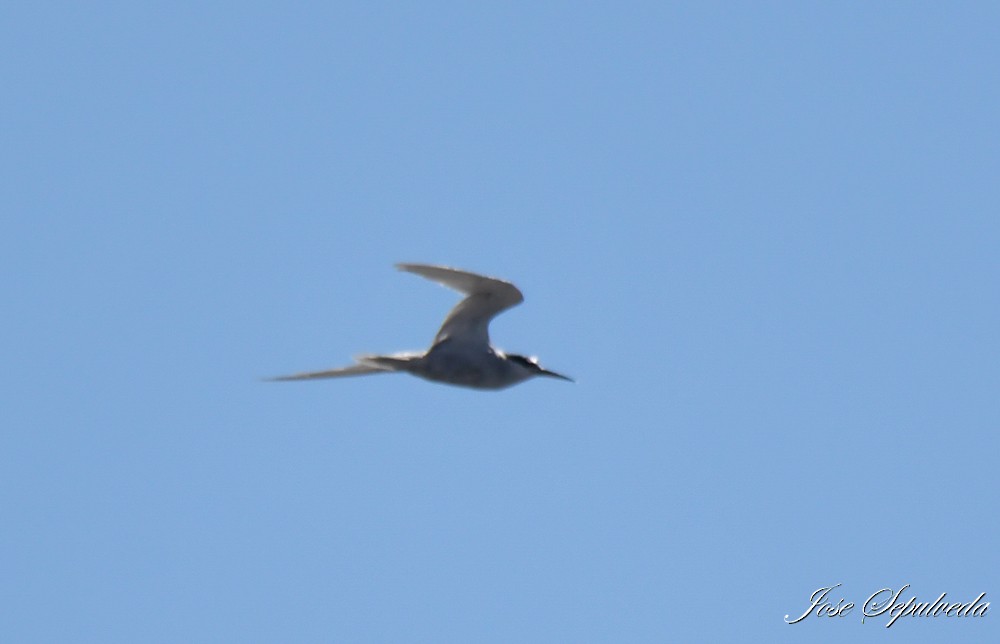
(546, 372)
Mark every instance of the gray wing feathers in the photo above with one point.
(353, 370)
(486, 297)
(467, 324)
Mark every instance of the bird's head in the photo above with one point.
(533, 368)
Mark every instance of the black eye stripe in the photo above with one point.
(524, 362)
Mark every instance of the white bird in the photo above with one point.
(461, 353)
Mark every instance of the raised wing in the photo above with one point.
(469, 321)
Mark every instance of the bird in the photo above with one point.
(461, 353)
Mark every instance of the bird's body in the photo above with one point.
(461, 353)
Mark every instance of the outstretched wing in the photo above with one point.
(353, 370)
(469, 321)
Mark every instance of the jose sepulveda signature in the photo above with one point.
(885, 602)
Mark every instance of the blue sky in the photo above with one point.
(761, 236)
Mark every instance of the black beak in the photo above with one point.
(553, 374)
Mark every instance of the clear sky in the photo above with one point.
(762, 236)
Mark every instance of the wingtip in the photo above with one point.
(414, 267)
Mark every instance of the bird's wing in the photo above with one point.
(353, 370)
(469, 321)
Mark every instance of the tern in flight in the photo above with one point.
(461, 354)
